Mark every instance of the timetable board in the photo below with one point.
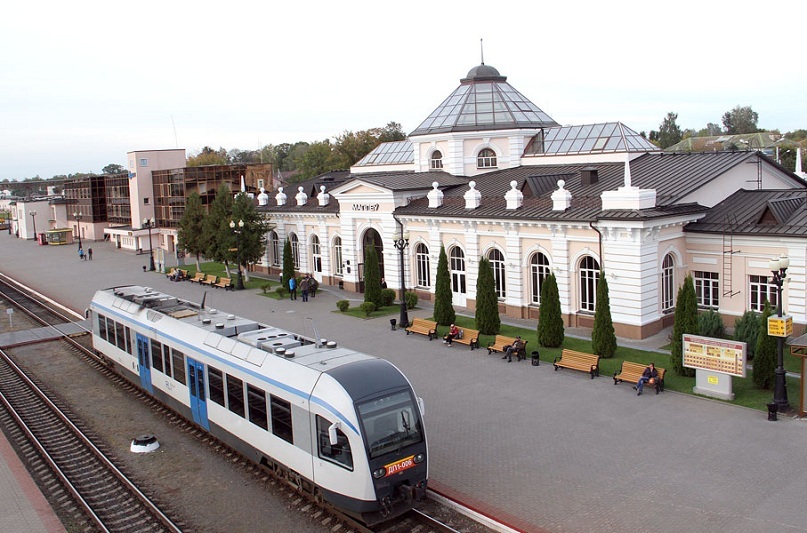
(715, 355)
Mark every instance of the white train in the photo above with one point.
(344, 425)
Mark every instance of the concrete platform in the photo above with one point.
(538, 449)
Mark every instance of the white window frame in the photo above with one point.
(668, 284)
(337, 256)
(295, 250)
(497, 264)
(760, 289)
(423, 265)
(589, 277)
(486, 158)
(436, 160)
(707, 289)
(539, 271)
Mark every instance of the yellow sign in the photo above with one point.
(717, 355)
(712, 380)
(780, 326)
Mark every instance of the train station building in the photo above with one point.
(489, 174)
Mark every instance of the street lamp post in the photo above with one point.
(77, 216)
(401, 241)
(239, 285)
(33, 219)
(149, 223)
(778, 267)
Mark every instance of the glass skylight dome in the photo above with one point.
(484, 101)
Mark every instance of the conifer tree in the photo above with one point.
(443, 306)
(765, 352)
(190, 234)
(603, 338)
(487, 305)
(686, 321)
(550, 318)
(288, 264)
(372, 277)
(220, 238)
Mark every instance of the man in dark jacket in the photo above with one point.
(650, 375)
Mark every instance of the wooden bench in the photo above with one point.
(198, 277)
(469, 337)
(171, 273)
(501, 343)
(224, 283)
(183, 274)
(585, 362)
(631, 372)
(424, 327)
(210, 279)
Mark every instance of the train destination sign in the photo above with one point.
(780, 326)
(715, 355)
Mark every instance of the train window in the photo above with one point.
(121, 338)
(390, 423)
(281, 418)
(235, 395)
(110, 331)
(101, 326)
(179, 365)
(256, 399)
(340, 452)
(156, 351)
(157, 361)
(216, 384)
(129, 341)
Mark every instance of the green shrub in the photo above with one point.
(265, 287)
(765, 353)
(746, 329)
(411, 300)
(343, 305)
(710, 324)
(281, 291)
(387, 297)
(367, 308)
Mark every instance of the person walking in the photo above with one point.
(89, 254)
(81, 254)
(304, 287)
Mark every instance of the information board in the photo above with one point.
(715, 355)
(780, 326)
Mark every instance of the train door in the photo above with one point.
(144, 362)
(196, 385)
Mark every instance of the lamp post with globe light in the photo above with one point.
(778, 266)
(239, 285)
(149, 223)
(77, 216)
(401, 241)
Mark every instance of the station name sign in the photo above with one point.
(715, 355)
(366, 207)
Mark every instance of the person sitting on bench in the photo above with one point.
(650, 375)
(453, 331)
(514, 348)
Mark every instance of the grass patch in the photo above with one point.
(217, 269)
(381, 311)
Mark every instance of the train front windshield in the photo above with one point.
(390, 423)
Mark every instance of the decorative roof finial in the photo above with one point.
(482, 51)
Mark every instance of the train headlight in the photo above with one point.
(419, 458)
(379, 473)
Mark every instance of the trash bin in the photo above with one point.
(341, 284)
(536, 358)
(772, 410)
(392, 322)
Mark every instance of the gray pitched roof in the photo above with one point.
(757, 212)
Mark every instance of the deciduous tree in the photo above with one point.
(740, 120)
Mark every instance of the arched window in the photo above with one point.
(436, 161)
(486, 158)
(457, 266)
(496, 259)
(295, 250)
(316, 257)
(539, 271)
(337, 256)
(589, 273)
(668, 284)
(422, 259)
(274, 249)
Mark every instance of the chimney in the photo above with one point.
(514, 197)
(280, 197)
(561, 199)
(588, 176)
(472, 197)
(435, 196)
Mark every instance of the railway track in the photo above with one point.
(109, 499)
(43, 312)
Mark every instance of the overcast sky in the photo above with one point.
(83, 82)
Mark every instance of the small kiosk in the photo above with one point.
(59, 236)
